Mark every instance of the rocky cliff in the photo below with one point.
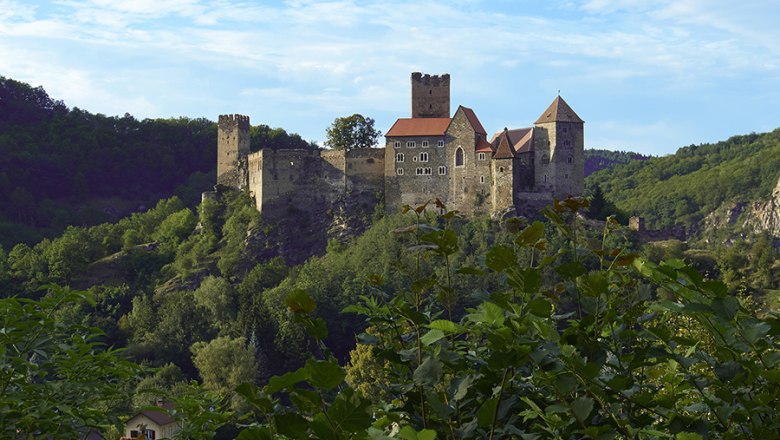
(765, 215)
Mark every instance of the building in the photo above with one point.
(151, 424)
(430, 155)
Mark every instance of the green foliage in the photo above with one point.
(591, 355)
(684, 187)
(224, 363)
(354, 131)
(56, 380)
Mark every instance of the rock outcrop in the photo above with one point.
(765, 216)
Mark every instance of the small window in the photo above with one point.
(440, 143)
(411, 144)
(459, 157)
(567, 143)
(481, 156)
(545, 159)
(423, 157)
(545, 178)
(418, 171)
(399, 157)
(481, 179)
(500, 169)
(564, 129)
(399, 171)
(397, 144)
(569, 159)
(566, 176)
(425, 144)
(442, 170)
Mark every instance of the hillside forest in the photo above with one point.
(424, 326)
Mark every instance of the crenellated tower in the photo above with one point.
(232, 150)
(430, 95)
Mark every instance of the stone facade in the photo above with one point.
(428, 156)
(232, 150)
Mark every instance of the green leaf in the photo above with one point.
(278, 383)
(540, 307)
(432, 336)
(349, 412)
(256, 433)
(298, 301)
(725, 307)
(500, 258)
(470, 271)
(291, 425)
(324, 374)
(488, 313)
(428, 373)
(486, 412)
(445, 326)
(409, 433)
(581, 408)
(531, 234)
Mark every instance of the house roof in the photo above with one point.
(160, 417)
(483, 146)
(419, 127)
(518, 140)
(559, 111)
(473, 120)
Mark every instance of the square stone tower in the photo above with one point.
(232, 150)
(430, 96)
(559, 151)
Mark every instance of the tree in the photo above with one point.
(56, 380)
(354, 131)
(224, 363)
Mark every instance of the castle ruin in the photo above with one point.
(427, 156)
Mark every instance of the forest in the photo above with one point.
(425, 326)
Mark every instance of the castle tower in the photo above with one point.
(430, 96)
(232, 150)
(559, 149)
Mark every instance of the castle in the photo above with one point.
(427, 156)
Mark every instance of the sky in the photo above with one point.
(646, 75)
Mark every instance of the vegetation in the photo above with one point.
(685, 187)
(354, 131)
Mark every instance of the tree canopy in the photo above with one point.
(354, 131)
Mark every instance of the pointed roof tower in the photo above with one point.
(559, 111)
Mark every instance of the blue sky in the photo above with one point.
(646, 75)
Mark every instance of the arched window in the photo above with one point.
(459, 157)
(569, 159)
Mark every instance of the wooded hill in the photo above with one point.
(683, 188)
(61, 166)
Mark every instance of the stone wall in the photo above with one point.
(568, 158)
(464, 180)
(415, 174)
(430, 96)
(232, 150)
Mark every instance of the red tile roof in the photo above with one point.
(474, 121)
(419, 127)
(519, 139)
(559, 111)
(483, 146)
(504, 147)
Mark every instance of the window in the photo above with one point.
(424, 171)
(399, 157)
(428, 171)
(411, 144)
(566, 176)
(545, 159)
(481, 156)
(418, 171)
(442, 170)
(569, 159)
(423, 157)
(481, 179)
(397, 144)
(399, 171)
(564, 129)
(500, 169)
(545, 178)
(459, 157)
(440, 143)
(567, 143)
(425, 144)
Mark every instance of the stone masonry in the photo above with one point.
(428, 156)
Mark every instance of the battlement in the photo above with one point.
(242, 121)
(430, 95)
(431, 80)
